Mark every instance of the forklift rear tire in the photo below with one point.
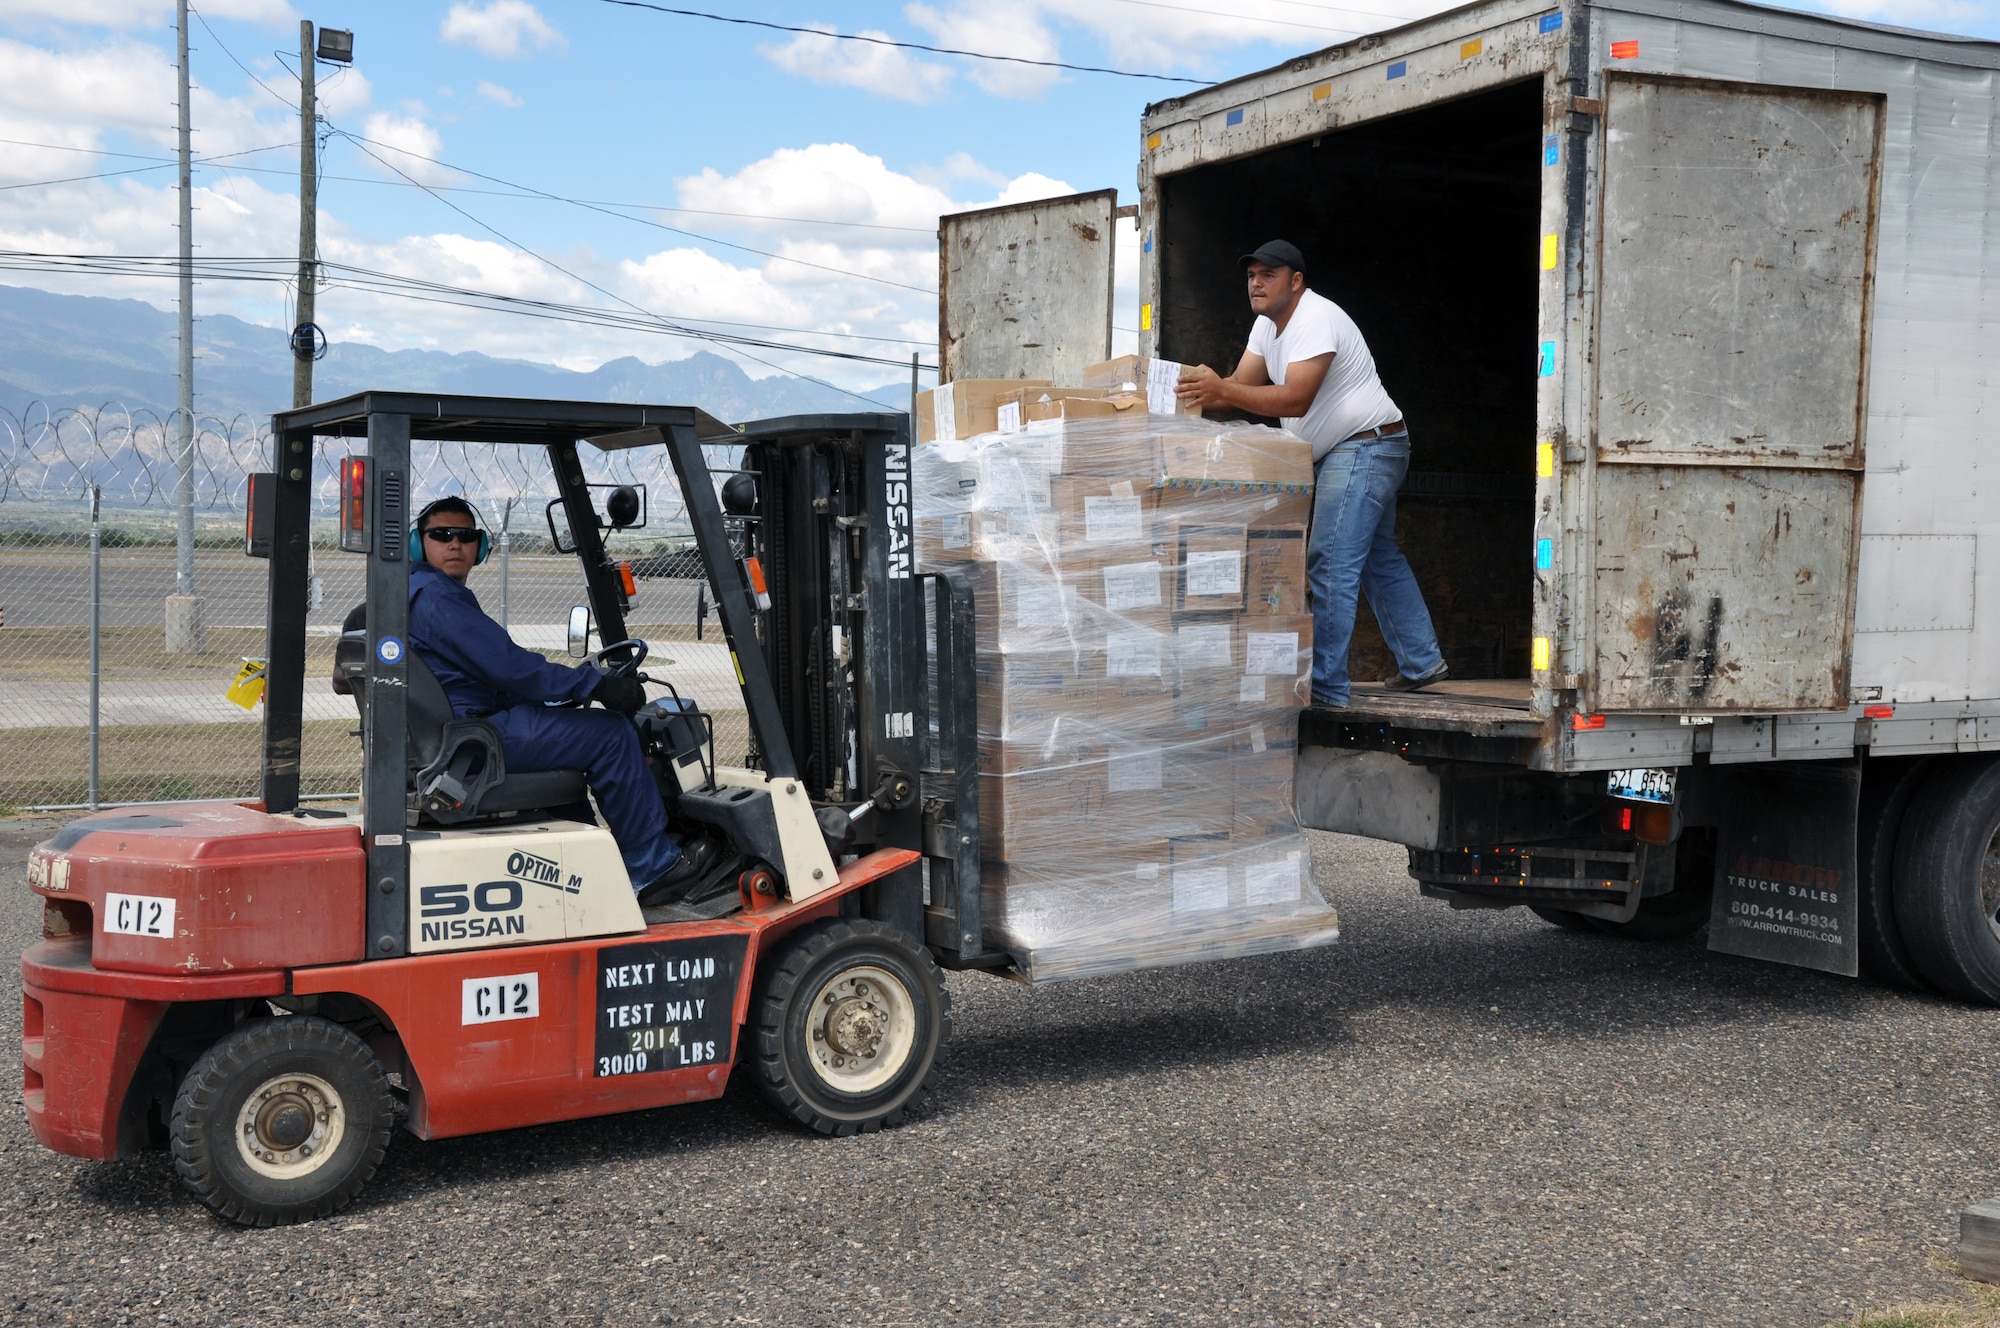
(1947, 882)
(847, 1024)
(283, 1120)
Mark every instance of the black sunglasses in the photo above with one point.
(453, 534)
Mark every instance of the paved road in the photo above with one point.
(52, 588)
(1448, 1118)
(699, 669)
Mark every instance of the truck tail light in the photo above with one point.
(354, 504)
(1647, 822)
(1879, 712)
(1583, 723)
(755, 571)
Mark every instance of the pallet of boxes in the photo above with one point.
(1144, 648)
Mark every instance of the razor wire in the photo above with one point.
(165, 731)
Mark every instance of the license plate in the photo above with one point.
(1641, 785)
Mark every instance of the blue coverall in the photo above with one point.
(486, 676)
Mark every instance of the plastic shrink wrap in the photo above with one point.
(1144, 648)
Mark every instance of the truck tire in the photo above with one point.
(1886, 789)
(1947, 879)
(1561, 917)
(282, 1120)
(846, 1026)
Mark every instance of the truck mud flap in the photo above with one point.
(1785, 866)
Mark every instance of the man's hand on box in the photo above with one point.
(1200, 386)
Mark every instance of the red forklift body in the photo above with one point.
(488, 1039)
(210, 887)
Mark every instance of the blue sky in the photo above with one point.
(622, 106)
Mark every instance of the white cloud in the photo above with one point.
(498, 95)
(996, 27)
(1027, 188)
(402, 142)
(343, 92)
(837, 181)
(885, 70)
(504, 29)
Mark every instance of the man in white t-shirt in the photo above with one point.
(1308, 365)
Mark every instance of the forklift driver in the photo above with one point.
(486, 676)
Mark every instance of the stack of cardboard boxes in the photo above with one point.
(1144, 648)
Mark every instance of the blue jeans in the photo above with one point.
(1354, 549)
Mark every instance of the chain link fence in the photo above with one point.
(157, 717)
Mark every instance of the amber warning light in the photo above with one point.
(755, 570)
(354, 504)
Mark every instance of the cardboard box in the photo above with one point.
(1153, 379)
(1126, 586)
(1088, 895)
(1100, 436)
(1034, 810)
(1275, 572)
(1032, 405)
(1093, 512)
(1277, 661)
(1261, 770)
(1248, 455)
(1257, 508)
(949, 538)
(1212, 560)
(966, 407)
(1026, 605)
(1037, 699)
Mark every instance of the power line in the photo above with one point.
(158, 165)
(907, 46)
(358, 140)
(516, 192)
(277, 271)
(610, 295)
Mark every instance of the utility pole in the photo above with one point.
(302, 355)
(183, 609)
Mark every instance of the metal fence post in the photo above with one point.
(506, 541)
(96, 633)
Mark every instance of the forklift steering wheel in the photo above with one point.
(617, 667)
(622, 667)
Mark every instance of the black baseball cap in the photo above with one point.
(1276, 253)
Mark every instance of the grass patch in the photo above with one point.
(62, 654)
(1978, 1307)
(164, 762)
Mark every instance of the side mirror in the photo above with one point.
(579, 631)
(621, 507)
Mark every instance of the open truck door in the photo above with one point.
(1727, 496)
(1024, 291)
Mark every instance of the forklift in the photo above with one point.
(268, 989)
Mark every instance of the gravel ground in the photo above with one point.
(1448, 1118)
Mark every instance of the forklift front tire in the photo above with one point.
(282, 1120)
(847, 1025)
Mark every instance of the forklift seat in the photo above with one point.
(458, 772)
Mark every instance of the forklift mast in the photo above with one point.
(849, 651)
(836, 673)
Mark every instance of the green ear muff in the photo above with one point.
(417, 533)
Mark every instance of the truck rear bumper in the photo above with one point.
(84, 1031)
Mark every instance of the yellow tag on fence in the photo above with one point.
(248, 689)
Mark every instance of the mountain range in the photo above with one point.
(84, 352)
